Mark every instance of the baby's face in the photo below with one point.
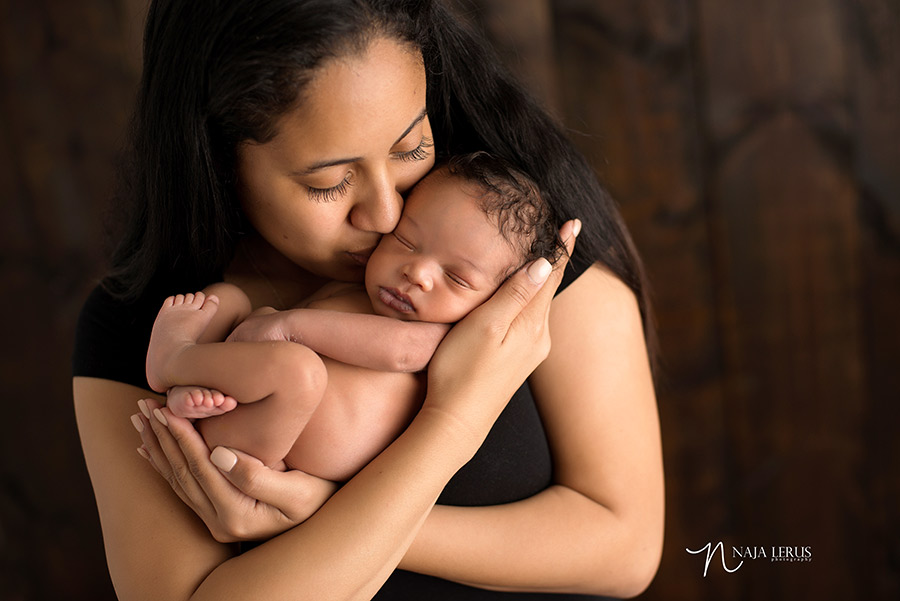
(445, 257)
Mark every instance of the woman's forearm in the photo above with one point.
(558, 540)
(159, 549)
(351, 546)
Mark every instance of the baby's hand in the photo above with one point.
(195, 402)
(262, 325)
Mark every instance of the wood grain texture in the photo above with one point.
(67, 76)
(753, 149)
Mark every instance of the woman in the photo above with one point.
(272, 144)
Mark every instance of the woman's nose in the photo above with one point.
(378, 209)
(419, 273)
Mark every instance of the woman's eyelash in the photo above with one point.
(402, 241)
(419, 153)
(329, 194)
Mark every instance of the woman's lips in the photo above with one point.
(396, 300)
(361, 257)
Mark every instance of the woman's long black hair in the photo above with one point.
(219, 72)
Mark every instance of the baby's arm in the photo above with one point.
(371, 341)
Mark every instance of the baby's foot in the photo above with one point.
(194, 402)
(180, 323)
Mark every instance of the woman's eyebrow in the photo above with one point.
(343, 161)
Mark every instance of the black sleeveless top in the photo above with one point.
(514, 462)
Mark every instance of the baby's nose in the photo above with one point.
(419, 274)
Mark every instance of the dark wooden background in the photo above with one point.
(755, 150)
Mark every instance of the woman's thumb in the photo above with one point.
(539, 271)
(245, 472)
(522, 286)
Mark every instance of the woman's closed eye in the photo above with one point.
(419, 153)
(403, 241)
(330, 194)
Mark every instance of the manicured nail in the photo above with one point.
(138, 424)
(162, 418)
(142, 405)
(143, 453)
(576, 228)
(539, 270)
(223, 459)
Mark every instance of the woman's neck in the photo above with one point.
(268, 277)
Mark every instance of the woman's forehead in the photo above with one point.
(375, 94)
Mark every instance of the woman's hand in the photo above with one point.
(486, 357)
(236, 496)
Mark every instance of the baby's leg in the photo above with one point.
(180, 323)
(185, 320)
(178, 355)
(267, 429)
(288, 378)
(194, 402)
(234, 307)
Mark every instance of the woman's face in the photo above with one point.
(330, 183)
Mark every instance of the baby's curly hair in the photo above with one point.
(523, 217)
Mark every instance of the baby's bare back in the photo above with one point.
(361, 412)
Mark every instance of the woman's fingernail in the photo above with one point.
(138, 424)
(576, 228)
(223, 459)
(143, 453)
(142, 405)
(539, 270)
(160, 417)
